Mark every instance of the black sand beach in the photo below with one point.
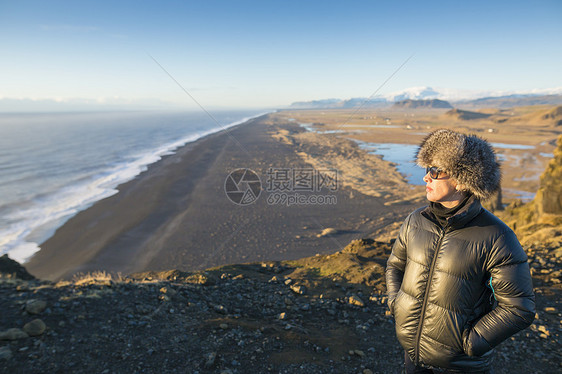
(176, 215)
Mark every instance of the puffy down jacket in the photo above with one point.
(442, 281)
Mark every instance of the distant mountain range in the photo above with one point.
(340, 104)
(433, 103)
(466, 115)
(417, 97)
(511, 101)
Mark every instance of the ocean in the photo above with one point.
(53, 165)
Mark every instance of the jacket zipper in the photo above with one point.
(425, 297)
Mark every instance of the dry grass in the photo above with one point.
(96, 277)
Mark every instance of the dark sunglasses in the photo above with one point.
(433, 171)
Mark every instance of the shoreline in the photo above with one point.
(81, 196)
(176, 215)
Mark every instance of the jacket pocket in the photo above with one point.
(392, 303)
(473, 343)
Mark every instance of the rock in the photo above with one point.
(544, 330)
(223, 326)
(550, 310)
(5, 353)
(168, 290)
(282, 315)
(327, 231)
(357, 352)
(301, 290)
(220, 309)
(211, 357)
(35, 327)
(12, 269)
(13, 334)
(35, 306)
(547, 199)
(355, 300)
(367, 371)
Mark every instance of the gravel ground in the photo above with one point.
(253, 318)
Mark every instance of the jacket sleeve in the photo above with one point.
(396, 264)
(513, 289)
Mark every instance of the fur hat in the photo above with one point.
(468, 159)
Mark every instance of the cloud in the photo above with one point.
(80, 104)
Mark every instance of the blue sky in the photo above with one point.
(271, 53)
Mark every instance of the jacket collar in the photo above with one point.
(466, 214)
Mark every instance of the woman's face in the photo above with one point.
(442, 190)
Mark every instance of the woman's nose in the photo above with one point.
(426, 178)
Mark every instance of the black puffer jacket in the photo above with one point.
(437, 287)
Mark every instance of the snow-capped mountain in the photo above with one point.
(450, 94)
(499, 98)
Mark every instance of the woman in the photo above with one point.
(458, 280)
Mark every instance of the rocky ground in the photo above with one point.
(323, 314)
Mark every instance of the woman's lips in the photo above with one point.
(428, 189)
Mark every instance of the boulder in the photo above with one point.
(13, 334)
(12, 269)
(35, 306)
(5, 353)
(549, 196)
(35, 327)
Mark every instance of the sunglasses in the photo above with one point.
(434, 172)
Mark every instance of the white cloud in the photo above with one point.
(77, 104)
